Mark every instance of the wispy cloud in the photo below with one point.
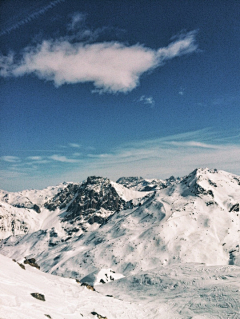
(77, 21)
(63, 159)
(147, 100)
(76, 154)
(11, 159)
(75, 145)
(111, 66)
(161, 157)
(181, 91)
(29, 17)
(35, 158)
(193, 144)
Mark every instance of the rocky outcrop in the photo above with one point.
(94, 194)
(87, 286)
(31, 262)
(97, 314)
(234, 208)
(38, 296)
(63, 198)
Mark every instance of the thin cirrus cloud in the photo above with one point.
(111, 66)
(29, 17)
(78, 19)
(162, 157)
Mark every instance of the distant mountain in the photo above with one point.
(141, 184)
(129, 226)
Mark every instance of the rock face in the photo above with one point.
(92, 201)
(95, 193)
(63, 198)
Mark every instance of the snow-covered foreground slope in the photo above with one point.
(64, 298)
(176, 292)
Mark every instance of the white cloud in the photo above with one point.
(63, 159)
(110, 66)
(10, 159)
(148, 100)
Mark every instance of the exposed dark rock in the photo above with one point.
(31, 262)
(96, 219)
(63, 198)
(52, 233)
(48, 316)
(38, 296)
(97, 314)
(88, 286)
(232, 257)
(95, 193)
(130, 182)
(21, 265)
(143, 185)
(52, 244)
(212, 183)
(37, 208)
(234, 208)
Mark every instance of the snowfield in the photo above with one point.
(161, 249)
(64, 298)
(179, 291)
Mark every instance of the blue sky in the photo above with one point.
(117, 88)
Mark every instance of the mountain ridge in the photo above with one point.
(193, 219)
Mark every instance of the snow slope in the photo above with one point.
(176, 292)
(24, 212)
(185, 290)
(64, 298)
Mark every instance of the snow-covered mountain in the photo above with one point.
(102, 224)
(98, 228)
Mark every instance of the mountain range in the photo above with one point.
(130, 232)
